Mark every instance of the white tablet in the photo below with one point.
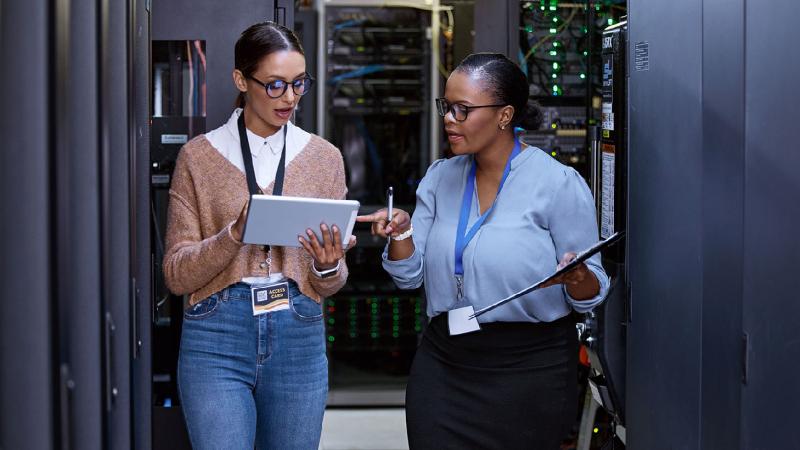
(279, 220)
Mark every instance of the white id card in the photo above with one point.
(266, 299)
(459, 322)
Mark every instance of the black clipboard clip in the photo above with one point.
(581, 257)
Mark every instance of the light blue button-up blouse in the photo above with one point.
(544, 210)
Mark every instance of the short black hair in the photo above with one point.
(507, 83)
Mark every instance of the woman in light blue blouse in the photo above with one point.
(495, 218)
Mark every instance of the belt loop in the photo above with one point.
(225, 294)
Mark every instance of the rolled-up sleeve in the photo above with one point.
(573, 227)
(408, 273)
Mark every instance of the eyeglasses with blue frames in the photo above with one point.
(276, 88)
(459, 111)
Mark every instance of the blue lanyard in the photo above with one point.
(462, 236)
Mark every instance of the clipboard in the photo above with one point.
(581, 257)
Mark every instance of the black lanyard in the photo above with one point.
(252, 185)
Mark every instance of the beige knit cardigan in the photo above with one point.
(205, 198)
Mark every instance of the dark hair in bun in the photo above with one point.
(507, 83)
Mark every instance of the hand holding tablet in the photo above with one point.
(281, 220)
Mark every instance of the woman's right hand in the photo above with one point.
(237, 230)
(400, 223)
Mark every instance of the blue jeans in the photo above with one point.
(253, 381)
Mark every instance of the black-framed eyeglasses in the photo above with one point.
(276, 88)
(459, 111)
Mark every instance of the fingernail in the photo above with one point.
(309, 232)
(300, 239)
(323, 226)
(335, 228)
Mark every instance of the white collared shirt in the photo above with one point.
(266, 151)
(266, 156)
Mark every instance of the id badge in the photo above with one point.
(271, 298)
(459, 322)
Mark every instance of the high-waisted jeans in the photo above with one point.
(253, 381)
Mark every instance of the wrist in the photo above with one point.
(324, 272)
(587, 289)
(405, 234)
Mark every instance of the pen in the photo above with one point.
(390, 195)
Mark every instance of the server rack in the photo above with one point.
(605, 332)
(377, 71)
(561, 55)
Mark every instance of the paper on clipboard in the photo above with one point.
(581, 257)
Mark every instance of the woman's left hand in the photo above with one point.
(580, 282)
(575, 276)
(328, 253)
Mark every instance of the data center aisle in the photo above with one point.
(364, 429)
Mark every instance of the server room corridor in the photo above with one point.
(162, 157)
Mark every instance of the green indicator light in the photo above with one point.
(585, 53)
(529, 29)
(555, 44)
(331, 321)
(542, 8)
(555, 66)
(331, 338)
(555, 19)
(553, 153)
(552, 8)
(553, 31)
(553, 53)
(585, 30)
(555, 76)
(374, 335)
(610, 21)
(553, 126)
(583, 76)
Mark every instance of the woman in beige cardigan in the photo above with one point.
(252, 370)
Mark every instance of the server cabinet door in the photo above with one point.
(771, 392)
(141, 262)
(76, 226)
(28, 380)
(115, 230)
(664, 224)
(722, 238)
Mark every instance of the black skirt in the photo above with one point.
(512, 385)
